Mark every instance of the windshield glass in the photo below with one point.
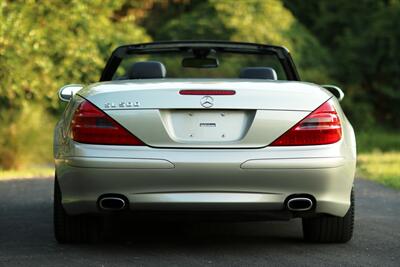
(228, 64)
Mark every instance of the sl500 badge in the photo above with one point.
(122, 104)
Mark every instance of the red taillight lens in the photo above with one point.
(90, 125)
(320, 127)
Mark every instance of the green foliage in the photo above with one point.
(44, 45)
(383, 168)
(27, 139)
(364, 42)
(252, 21)
(377, 141)
(201, 23)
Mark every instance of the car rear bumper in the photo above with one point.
(243, 180)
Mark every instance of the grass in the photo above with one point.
(382, 167)
(32, 172)
(379, 157)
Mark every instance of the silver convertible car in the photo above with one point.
(207, 128)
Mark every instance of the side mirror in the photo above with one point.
(68, 91)
(336, 91)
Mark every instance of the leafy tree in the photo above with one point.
(253, 21)
(364, 41)
(44, 45)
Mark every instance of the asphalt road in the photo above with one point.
(26, 237)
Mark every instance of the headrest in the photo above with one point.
(258, 73)
(147, 70)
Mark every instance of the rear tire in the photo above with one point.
(73, 229)
(330, 229)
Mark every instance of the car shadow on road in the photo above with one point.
(26, 209)
(195, 232)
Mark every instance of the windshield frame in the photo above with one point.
(125, 51)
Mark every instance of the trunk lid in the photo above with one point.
(155, 111)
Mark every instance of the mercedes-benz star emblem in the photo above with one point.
(207, 101)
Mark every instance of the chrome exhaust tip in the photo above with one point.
(112, 203)
(299, 204)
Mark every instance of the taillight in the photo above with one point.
(92, 126)
(320, 127)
